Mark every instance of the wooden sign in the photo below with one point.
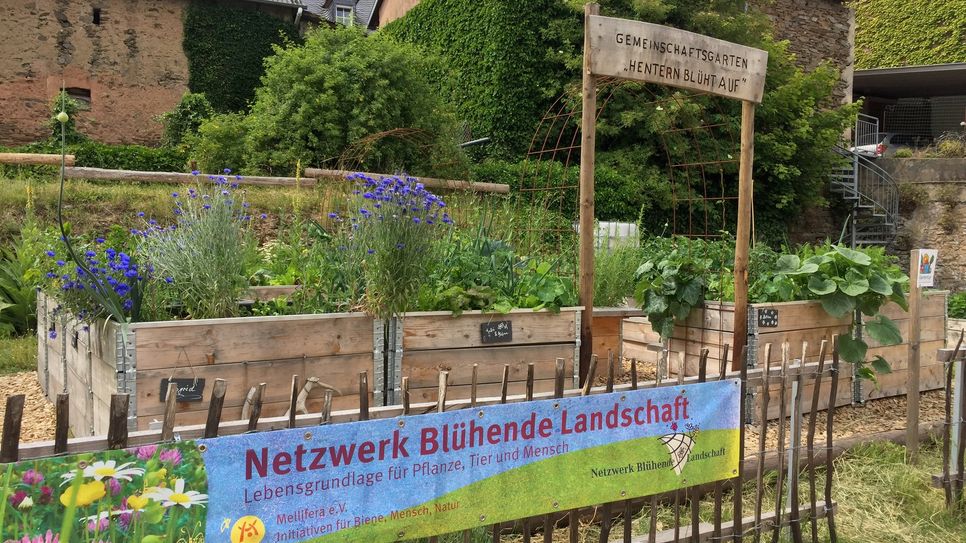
(189, 390)
(767, 318)
(496, 332)
(926, 267)
(668, 56)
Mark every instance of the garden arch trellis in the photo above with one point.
(638, 51)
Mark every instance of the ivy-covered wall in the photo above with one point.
(493, 64)
(225, 46)
(893, 33)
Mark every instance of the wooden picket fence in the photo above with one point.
(954, 427)
(799, 458)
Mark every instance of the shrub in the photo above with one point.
(184, 120)
(220, 140)
(903, 153)
(70, 106)
(957, 305)
(94, 154)
(338, 89)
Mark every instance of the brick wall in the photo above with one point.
(390, 10)
(132, 62)
(817, 30)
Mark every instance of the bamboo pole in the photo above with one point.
(35, 159)
(745, 211)
(588, 133)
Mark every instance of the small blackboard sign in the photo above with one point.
(768, 318)
(189, 390)
(496, 332)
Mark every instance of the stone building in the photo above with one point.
(122, 59)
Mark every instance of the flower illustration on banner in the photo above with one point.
(679, 445)
(119, 495)
(177, 496)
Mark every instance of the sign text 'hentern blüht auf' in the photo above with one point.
(677, 58)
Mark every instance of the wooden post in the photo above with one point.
(117, 426)
(745, 193)
(63, 423)
(912, 378)
(215, 406)
(170, 411)
(12, 420)
(588, 130)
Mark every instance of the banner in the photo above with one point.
(392, 479)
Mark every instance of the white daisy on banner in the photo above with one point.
(106, 470)
(169, 497)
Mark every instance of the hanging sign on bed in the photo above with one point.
(496, 332)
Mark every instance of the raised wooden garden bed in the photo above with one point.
(92, 362)
(795, 323)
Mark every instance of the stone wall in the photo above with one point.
(933, 213)
(817, 30)
(131, 62)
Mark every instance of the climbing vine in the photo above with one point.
(909, 32)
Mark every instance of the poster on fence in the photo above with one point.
(390, 479)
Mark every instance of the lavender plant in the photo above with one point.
(391, 229)
(203, 256)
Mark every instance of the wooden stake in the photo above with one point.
(473, 384)
(633, 374)
(652, 527)
(170, 411)
(947, 427)
(737, 514)
(405, 395)
(441, 396)
(795, 442)
(12, 421)
(63, 423)
(558, 379)
(960, 445)
(117, 426)
(259, 393)
(326, 415)
(591, 372)
(743, 234)
(530, 369)
(363, 395)
(293, 401)
(504, 382)
(214, 408)
(762, 435)
(779, 484)
(830, 416)
(718, 485)
(695, 498)
(912, 377)
(588, 132)
(810, 441)
(610, 371)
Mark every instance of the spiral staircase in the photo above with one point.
(871, 191)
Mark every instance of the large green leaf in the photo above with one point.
(881, 365)
(821, 285)
(680, 311)
(899, 296)
(884, 330)
(692, 292)
(787, 263)
(852, 350)
(654, 303)
(853, 284)
(643, 269)
(838, 304)
(854, 256)
(880, 285)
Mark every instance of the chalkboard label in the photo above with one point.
(496, 332)
(768, 318)
(189, 390)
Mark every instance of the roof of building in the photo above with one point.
(911, 81)
(361, 11)
(287, 3)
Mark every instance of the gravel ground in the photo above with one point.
(38, 417)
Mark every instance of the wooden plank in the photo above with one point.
(933, 304)
(440, 330)
(180, 344)
(802, 315)
(895, 384)
(341, 372)
(931, 329)
(423, 367)
(429, 182)
(36, 159)
(175, 177)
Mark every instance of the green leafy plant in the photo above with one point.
(672, 284)
(184, 120)
(957, 305)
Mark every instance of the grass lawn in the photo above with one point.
(18, 354)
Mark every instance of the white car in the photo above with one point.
(887, 143)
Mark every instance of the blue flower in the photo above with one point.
(60, 262)
(140, 213)
(51, 253)
(416, 220)
(51, 275)
(227, 170)
(206, 206)
(263, 216)
(99, 240)
(400, 245)
(128, 304)
(174, 194)
(52, 334)
(331, 216)
(246, 205)
(169, 280)
(371, 251)
(195, 172)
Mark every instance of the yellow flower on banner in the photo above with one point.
(137, 503)
(87, 494)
